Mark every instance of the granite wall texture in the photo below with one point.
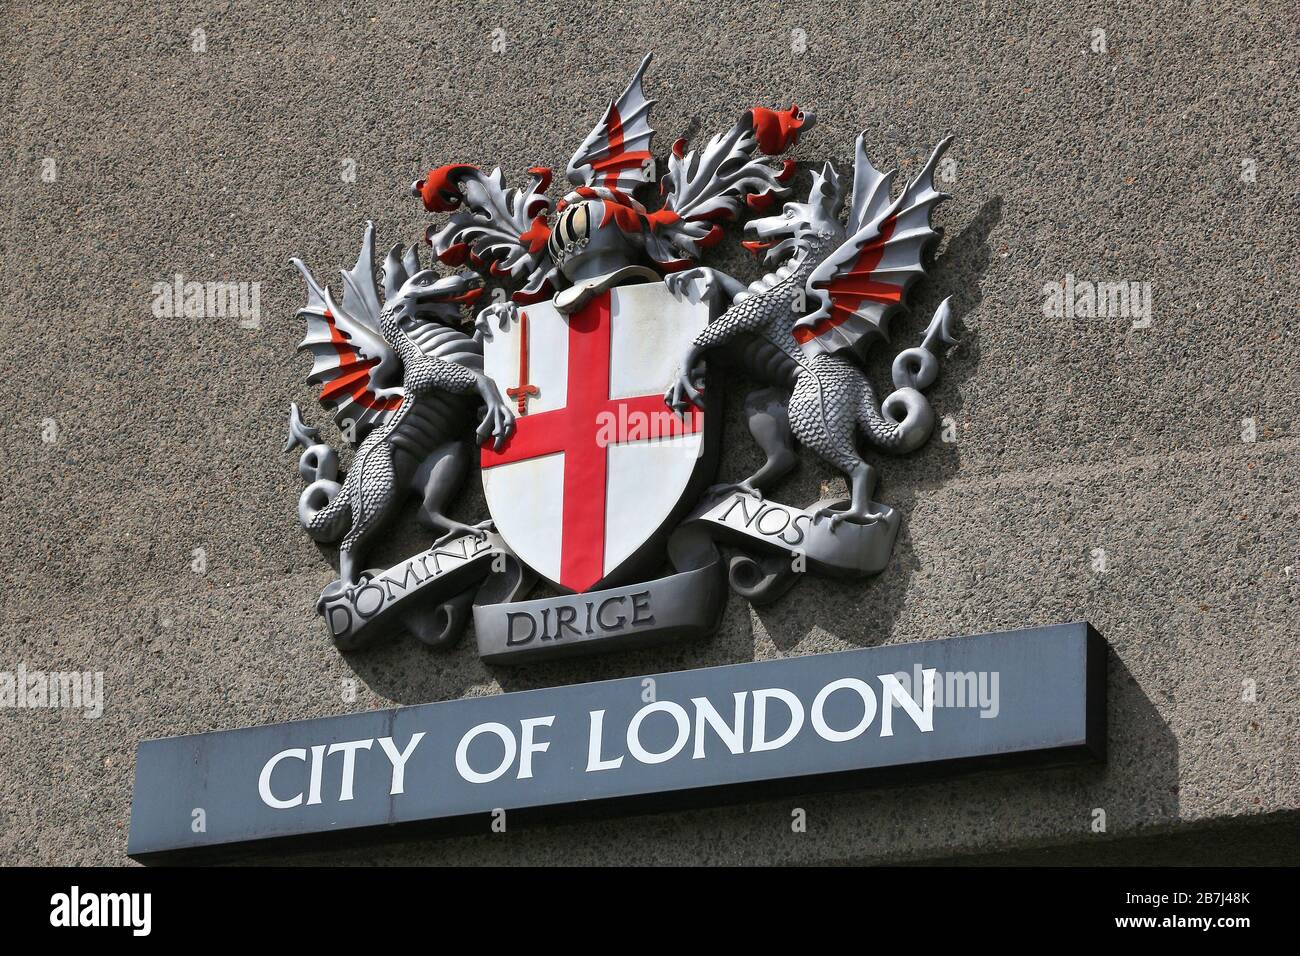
(129, 440)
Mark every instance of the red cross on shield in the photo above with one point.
(598, 469)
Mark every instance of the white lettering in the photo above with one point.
(462, 752)
(825, 730)
(594, 761)
(264, 781)
(349, 750)
(759, 740)
(527, 748)
(733, 736)
(678, 713)
(922, 715)
(398, 760)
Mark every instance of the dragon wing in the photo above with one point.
(859, 285)
(616, 154)
(359, 374)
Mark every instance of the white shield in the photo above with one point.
(599, 468)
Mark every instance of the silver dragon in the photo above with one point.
(804, 327)
(403, 381)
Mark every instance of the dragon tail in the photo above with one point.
(904, 420)
(324, 512)
(902, 423)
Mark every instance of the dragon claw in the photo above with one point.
(456, 529)
(504, 312)
(851, 515)
(683, 395)
(739, 488)
(498, 425)
(682, 283)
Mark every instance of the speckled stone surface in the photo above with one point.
(1072, 434)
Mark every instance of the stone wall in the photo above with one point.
(1130, 470)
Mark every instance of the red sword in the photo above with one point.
(523, 390)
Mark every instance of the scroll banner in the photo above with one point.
(782, 542)
(428, 594)
(432, 594)
(681, 606)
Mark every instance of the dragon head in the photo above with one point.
(413, 294)
(801, 225)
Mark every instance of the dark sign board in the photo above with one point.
(720, 733)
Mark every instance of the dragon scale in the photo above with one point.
(759, 327)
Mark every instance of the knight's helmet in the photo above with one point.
(594, 246)
(572, 232)
(588, 239)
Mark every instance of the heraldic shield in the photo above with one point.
(598, 470)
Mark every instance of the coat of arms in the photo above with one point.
(584, 400)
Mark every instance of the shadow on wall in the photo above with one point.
(1084, 808)
(861, 612)
(1142, 764)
